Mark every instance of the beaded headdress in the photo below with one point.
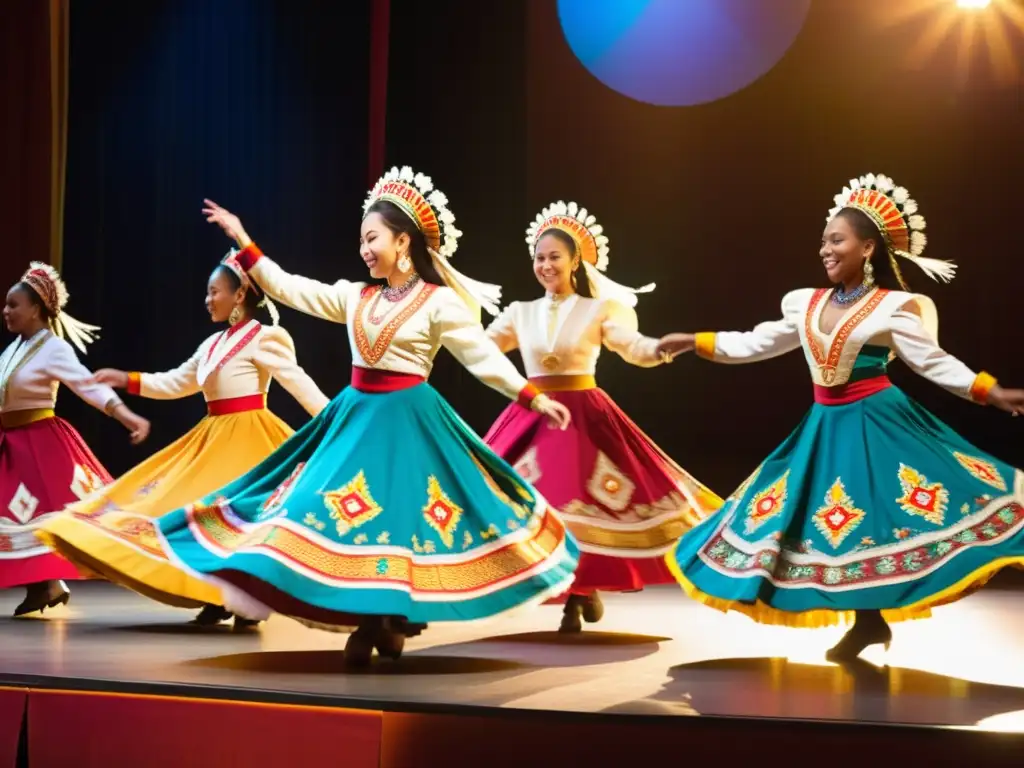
(895, 214)
(591, 244)
(415, 195)
(46, 282)
(230, 261)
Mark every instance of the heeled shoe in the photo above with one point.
(211, 615)
(592, 608)
(242, 624)
(40, 600)
(572, 616)
(857, 639)
(389, 644)
(359, 647)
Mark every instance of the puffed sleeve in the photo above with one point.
(502, 330)
(276, 355)
(620, 333)
(769, 339)
(302, 293)
(173, 384)
(461, 333)
(917, 346)
(63, 365)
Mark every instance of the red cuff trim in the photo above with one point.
(249, 255)
(134, 383)
(527, 394)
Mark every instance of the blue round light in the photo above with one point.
(680, 52)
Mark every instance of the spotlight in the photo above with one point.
(973, 5)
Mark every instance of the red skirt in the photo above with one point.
(44, 465)
(624, 500)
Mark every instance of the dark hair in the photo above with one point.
(580, 283)
(398, 222)
(34, 298)
(866, 229)
(251, 300)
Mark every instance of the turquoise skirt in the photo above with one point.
(875, 504)
(384, 504)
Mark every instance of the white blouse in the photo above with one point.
(564, 337)
(32, 370)
(234, 363)
(906, 323)
(403, 337)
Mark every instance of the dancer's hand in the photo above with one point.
(557, 413)
(227, 221)
(675, 344)
(137, 426)
(1009, 400)
(111, 377)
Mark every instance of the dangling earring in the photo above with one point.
(404, 263)
(236, 316)
(869, 274)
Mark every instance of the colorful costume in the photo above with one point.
(111, 532)
(623, 499)
(872, 503)
(44, 463)
(386, 503)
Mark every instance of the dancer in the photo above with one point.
(44, 463)
(111, 532)
(872, 509)
(622, 498)
(386, 511)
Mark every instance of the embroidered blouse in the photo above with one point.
(237, 362)
(32, 370)
(564, 337)
(905, 323)
(403, 337)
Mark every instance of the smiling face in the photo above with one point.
(844, 252)
(223, 294)
(22, 315)
(554, 262)
(380, 248)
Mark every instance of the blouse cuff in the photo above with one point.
(527, 395)
(112, 405)
(134, 383)
(249, 255)
(982, 385)
(704, 345)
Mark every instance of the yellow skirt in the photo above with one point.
(111, 533)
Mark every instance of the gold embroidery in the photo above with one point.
(981, 469)
(360, 538)
(384, 538)
(441, 513)
(314, 522)
(828, 364)
(839, 517)
(767, 504)
(609, 486)
(372, 355)
(921, 498)
(352, 505)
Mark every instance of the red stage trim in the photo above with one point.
(12, 715)
(108, 729)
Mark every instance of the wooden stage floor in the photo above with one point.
(656, 653)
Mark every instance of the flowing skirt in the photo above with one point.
(871, 505)
(621, 497)
(111, 532)
(44, 465)
(384, 504)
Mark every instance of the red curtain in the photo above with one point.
(33, 95)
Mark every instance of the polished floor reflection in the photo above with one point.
(656, 653)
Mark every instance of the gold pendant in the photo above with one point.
(550, 362)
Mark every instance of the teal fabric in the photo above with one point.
(863, 506)
(382, 505)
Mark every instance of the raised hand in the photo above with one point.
(227, 221)
(111, 377)
(1009, 400)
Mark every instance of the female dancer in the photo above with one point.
(111, 532)
(622, 498)
(44, 463)
(872, 507)
(386, 511)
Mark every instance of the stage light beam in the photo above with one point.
(973, 5)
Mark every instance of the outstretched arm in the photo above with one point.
(620, 333)
(276, 355)
(502, 330)
(168, 385)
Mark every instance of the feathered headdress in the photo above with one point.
(416, 196)
(231, 262)
(591, 243)
(895, 214)
(46, 282)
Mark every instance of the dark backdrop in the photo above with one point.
(258, 104)
(262, 106)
